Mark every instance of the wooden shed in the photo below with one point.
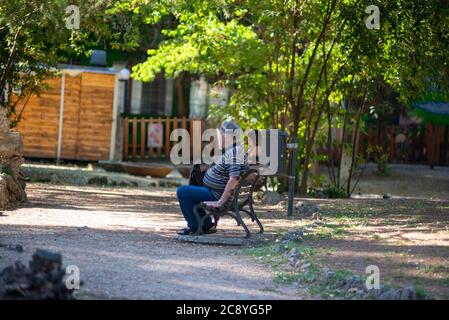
(76, 118)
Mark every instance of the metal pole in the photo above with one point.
(115, 104)
(293, 146)
(61, 119)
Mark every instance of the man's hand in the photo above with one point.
(230, 185)
(213, 204)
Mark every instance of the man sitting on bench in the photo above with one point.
(218, 182)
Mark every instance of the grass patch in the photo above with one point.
(328, 231)
(435, 269)
(420, 292)
(311, 277)
(327, 290)
(446, 282)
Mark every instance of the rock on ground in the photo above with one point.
(271, 198)
(43, 279)
(306, 209)
(12, 179)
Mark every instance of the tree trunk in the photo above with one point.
(182, 111)
(302, 190)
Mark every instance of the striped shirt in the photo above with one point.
(232, 163)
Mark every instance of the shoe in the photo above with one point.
(211, 230)
(185, 232)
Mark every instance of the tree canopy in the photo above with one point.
(297, 65)
(286, 62)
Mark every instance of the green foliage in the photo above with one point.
(420, 293)
(329, 191)
(298, 66)
(34, 39)
(381, 159)
(288, 63)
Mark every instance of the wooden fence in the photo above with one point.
(408, 144)
(139, 146)
(420, 144)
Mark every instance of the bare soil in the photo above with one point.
(408, 239)
(122, 240)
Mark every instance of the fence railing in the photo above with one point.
(408, 144)
(148, 138)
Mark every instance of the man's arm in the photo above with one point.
(230, 185)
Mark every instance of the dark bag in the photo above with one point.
(197, 174)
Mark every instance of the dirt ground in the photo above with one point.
(122, 242)
(122, 239)
(408, 239)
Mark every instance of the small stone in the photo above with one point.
(294, 235)
(280, 249)
(305, 209)
(293, 254)
(271, 198)
(305, 266)
(292, 261)
(350, 282)
(329, 275)
(97, 180)
(42, 280)
(316, 216)
(390, 294)
(408, 293)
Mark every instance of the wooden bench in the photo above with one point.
(241, 200)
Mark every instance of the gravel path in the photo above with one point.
(122, 242)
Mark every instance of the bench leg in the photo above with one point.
(199, 220)
(254, 217)
(240, 221)
(216, 218)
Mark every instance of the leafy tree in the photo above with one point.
(34, 39)
(303, 66)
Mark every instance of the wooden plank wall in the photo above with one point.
(87, 122)
(97, 95)
(40, 122)
(71, 121)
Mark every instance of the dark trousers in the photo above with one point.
(188, 197)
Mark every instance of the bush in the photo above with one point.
(381, 159)
(328, 191)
